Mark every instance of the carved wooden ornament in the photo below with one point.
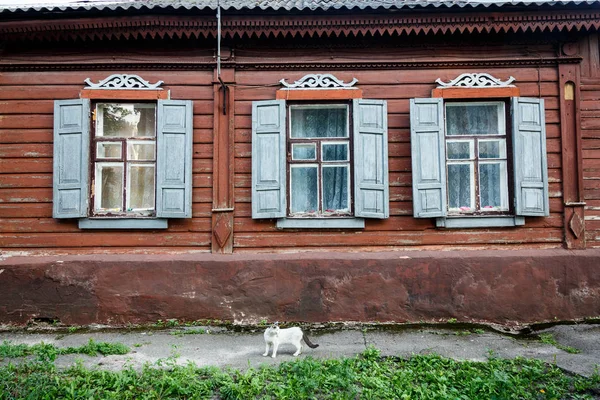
(476, 80)
(123, 81)
(319, 81)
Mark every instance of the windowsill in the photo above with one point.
(320, 223)
(479, 222)
(123, 223)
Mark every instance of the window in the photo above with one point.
(124, 147)
(128, 167)
(319, 161)
(476, 158)
(462, 166)
(319, 165)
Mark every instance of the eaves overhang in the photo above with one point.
(132, 6)
(151, 19)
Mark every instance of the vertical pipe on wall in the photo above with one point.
(223, 86)
(223, 154)
(572, 162)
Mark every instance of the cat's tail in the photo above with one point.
(308, 342)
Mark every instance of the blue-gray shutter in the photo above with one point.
(428, 157)
(70, 194)
(268, 159)
(371, 183)
(530, 161)
(174, 140)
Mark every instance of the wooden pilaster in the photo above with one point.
(572, 161)
(223, 158)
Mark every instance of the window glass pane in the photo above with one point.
(146, 125)
(140, 187)
(140, 151)
(335, 188)
(492, 186)
(460, 188)
(473, 119)
(459, 150)
(108, 150)
(304, 151)
(109, 187)
(304, 189)
(126, 120)
(492, 149)
(318, 122)
(335, 152)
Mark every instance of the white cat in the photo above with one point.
(274, 336)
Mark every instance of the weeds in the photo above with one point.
(548, 338)
(193, 331)
(170, 323)
(45, 351)
(175, 323)
(462, 333)
(366, 376)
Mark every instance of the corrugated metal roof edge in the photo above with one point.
(439, 4)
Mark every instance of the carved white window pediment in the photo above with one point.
(123, 81)
(475, 80)
(318, 81)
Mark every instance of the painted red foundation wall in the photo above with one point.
(504, 287)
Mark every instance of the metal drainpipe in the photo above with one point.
(223, 86)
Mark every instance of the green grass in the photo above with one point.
(192, 331)
(366, 376)
(45, 351)
(548, 338)
(170, 323)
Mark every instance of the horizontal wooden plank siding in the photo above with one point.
(26, 151)
(590, 133)
(401, 230)
(26, 123)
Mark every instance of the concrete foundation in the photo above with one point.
(514, 287)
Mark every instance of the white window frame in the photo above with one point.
(126, 161)
(319, 162)
(314, 147)
(369, 163)
(501, 113)
(309, 106)
(97, 193)
(475, 161)
(73, 166)
(529, 162)
(140, 211)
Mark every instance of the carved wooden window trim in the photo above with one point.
(270, 197)
(319, 87)
(475, 86)
(117, 88)
(472, 87)
(124, 87)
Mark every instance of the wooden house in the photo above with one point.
(376, 160)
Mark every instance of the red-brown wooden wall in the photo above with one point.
(401, 230)
(26, 106)
(590, 132)
(26, 123)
